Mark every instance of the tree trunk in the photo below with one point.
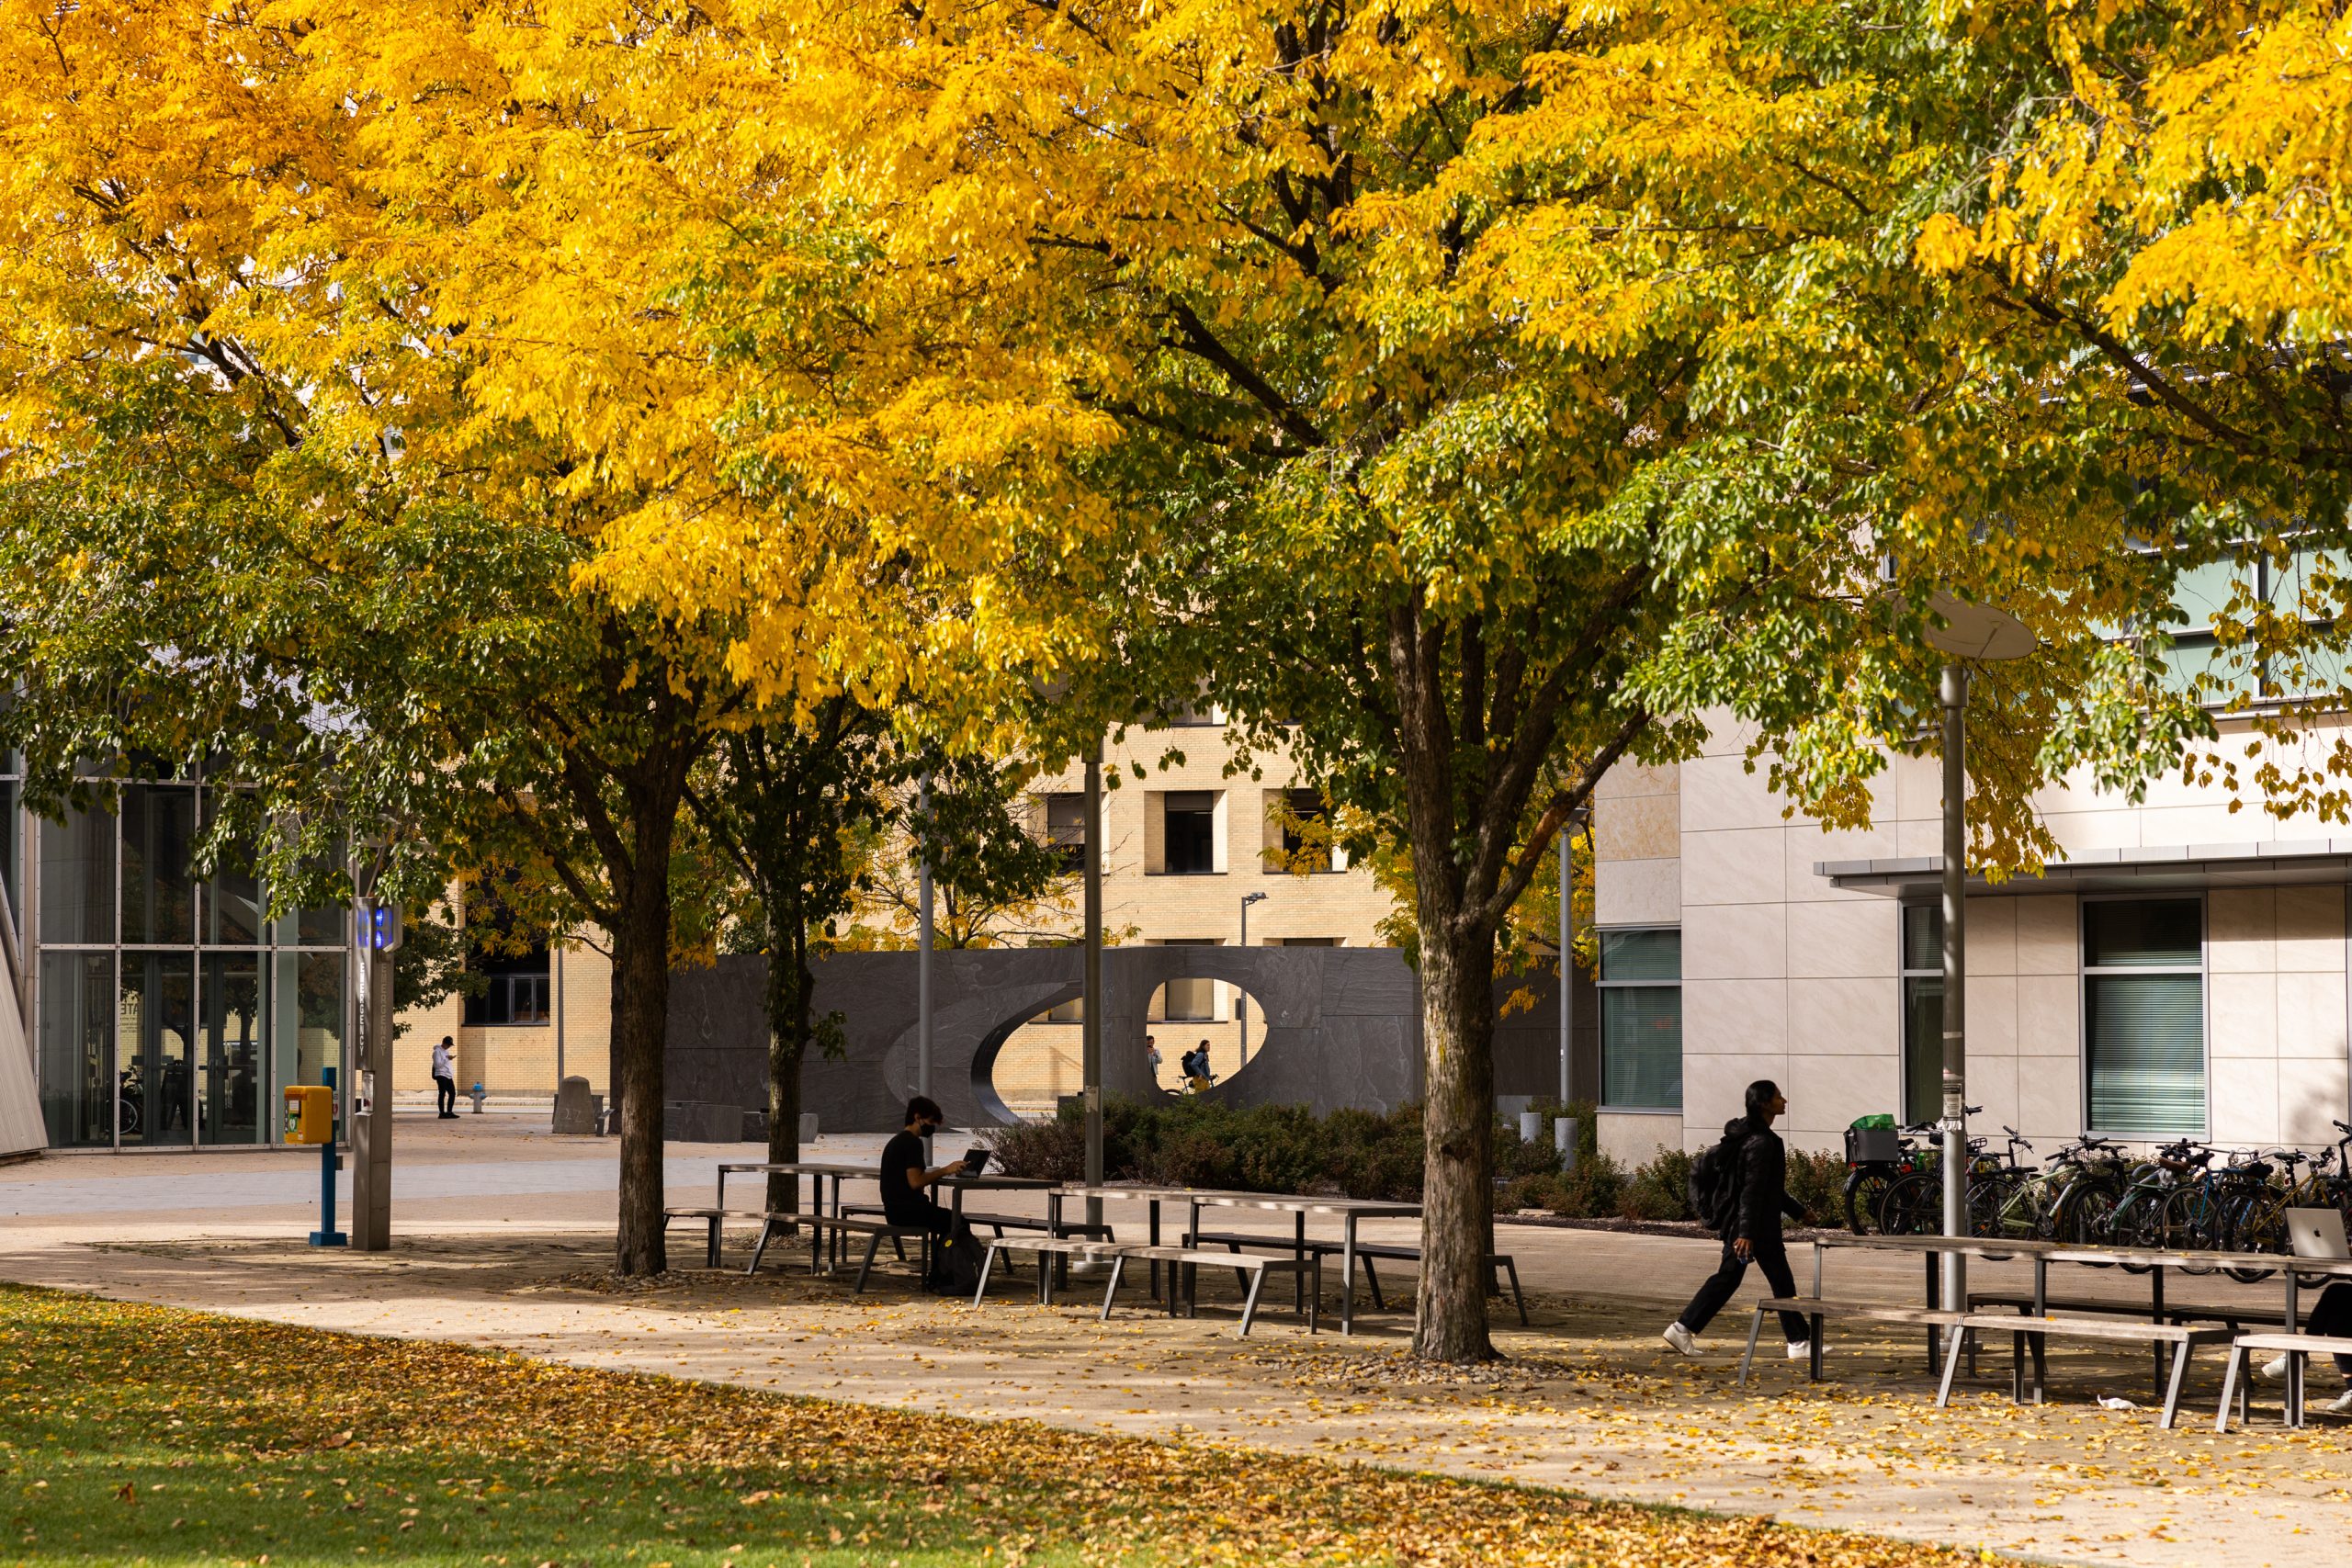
(640, 1027)
(787, 1010)
(1458, 1125)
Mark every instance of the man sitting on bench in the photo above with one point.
(906, 1201)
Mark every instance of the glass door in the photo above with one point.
(154, 1030)
(77, 1049)
(231, 1065)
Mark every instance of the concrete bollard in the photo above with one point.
(808, 1128)
(1531, 1126)
(1564, 1138)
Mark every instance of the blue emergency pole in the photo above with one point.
(326, 1235)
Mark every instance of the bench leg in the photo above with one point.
(1955, 1339)
(2041, 1346)
(1111, 1291)
(2230, 1370)
(2294, 1388)
(1812, 1351)
(1755, 1328)
(710, 1253)
(2173, 1385)
(873, 1245)
(2017, 1368)
(767, 1229)
(1512, 1269)
(988, 1261)
(1314, 1296)
(1249, 1301)
(1370, 1282)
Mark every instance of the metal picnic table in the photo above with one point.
(2158, 1261)
(1348, 1211)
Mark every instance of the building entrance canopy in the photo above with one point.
(2188, 867)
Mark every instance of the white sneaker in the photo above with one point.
(2273, 1370)
(1800, 1348)
(2341, 1404)
(1680, 1337)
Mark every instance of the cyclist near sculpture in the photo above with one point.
(1749, 1169)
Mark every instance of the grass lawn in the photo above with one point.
(139, 1434)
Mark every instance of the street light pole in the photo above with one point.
(1091, 1019)
(1974, 632)
(1568, 945)
(1240, 997)
(1955, 956)
(923, 953)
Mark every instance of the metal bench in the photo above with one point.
(1254, 1266)
(1817, 1309)
(1498, 1263)
(820, 1226)
(2036, 1331)
(2297, 1347)
(715, 1218)
(2022, 1301)
(996, 1225)
(1044, 1247)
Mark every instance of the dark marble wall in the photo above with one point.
(1333, 1027)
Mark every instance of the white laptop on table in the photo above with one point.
(2318, 1234)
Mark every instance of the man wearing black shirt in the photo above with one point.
(906, 1185)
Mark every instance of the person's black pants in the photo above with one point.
(2332, 1315)
(445, 1091)
(942, 1223)
(1771, 1256)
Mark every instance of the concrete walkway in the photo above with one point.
(505, 1235)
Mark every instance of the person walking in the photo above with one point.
(1151, 1055)
(445, 1080)
(1758, 1168)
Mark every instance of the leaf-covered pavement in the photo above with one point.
(136, 1433)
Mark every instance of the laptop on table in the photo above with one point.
(2318, 1234)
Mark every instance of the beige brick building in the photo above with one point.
(1183, 847)
(562, 1028)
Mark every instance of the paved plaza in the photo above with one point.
(503, 1235)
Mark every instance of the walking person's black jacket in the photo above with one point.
(1763, 1186)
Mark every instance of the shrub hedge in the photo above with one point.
(1185, 1142)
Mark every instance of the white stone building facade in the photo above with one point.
(2179, 970)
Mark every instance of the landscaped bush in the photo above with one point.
(1818, 1181)
(1660, 1190)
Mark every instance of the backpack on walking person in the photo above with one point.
(1715, 1177)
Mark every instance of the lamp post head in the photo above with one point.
(1250, 898)
(1975, 631)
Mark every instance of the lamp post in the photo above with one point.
(923, 913)
(1240, 997)
(1091, 1019)
(1969, 632)
(1580, 817)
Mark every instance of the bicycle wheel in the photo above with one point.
(1865, 1192)
(2084, 1216)
(2255, 1222)
(1914, 1205)
(2187, 1222)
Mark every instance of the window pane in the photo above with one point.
(1922, 1048)
(2143, 933)
(1641, 955)
(154, 1059)
(77, 1009)
(2147, 1053)
(78, 878)
(233, 900)
(306, 1019)
(1641, 1048)
(158, 894)
(1923, 937)
(230, 1041)
(11, 835)
(1190, 833)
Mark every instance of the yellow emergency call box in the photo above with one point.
(309, 1113)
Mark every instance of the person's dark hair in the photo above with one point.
(447, 1041)
(1761, 1096)
(923, 1108)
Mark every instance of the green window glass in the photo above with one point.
(1641, 1019)
(1923, 1013)
(2143, 1015)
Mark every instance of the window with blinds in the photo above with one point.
(1641, 1019)
(1923, 1013)
(2143, 1015)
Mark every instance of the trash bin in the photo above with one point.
(1564, 1138)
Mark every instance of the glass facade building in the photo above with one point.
(162, 1010)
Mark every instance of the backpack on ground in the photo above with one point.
(1716, 1178)
(955, 1262)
